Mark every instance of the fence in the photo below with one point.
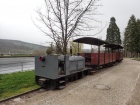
(15, 67)
(131, 54)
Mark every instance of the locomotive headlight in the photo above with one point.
(42, 58)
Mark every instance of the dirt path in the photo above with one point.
(117, 85)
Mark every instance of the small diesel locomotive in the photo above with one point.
(54, 71)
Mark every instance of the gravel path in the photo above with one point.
(116, 85)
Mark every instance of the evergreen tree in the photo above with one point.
(138, 37)
(113, 32)
(130, 35)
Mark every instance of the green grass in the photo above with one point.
(16, 83)
(138, 59)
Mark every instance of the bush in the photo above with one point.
(49, 50)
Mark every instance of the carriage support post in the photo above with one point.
(98, 55)
(78, 49)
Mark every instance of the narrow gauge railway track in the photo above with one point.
(17, 96)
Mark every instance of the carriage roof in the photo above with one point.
(113, 46)
(91, 41)
(98, 42)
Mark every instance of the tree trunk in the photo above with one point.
(65, 48)
(137, 54)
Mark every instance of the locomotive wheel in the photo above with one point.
(70, 79)
(79, 75)
(75, 77)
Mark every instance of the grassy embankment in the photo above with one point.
(16, 83)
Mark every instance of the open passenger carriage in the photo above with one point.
(98, 59)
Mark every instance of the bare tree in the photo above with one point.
(64, 19)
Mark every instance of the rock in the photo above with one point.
(17, 99)
(42, 90)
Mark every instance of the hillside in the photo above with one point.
(18, 47)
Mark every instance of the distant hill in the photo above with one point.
(19, 47)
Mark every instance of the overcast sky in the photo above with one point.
(16, 22)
